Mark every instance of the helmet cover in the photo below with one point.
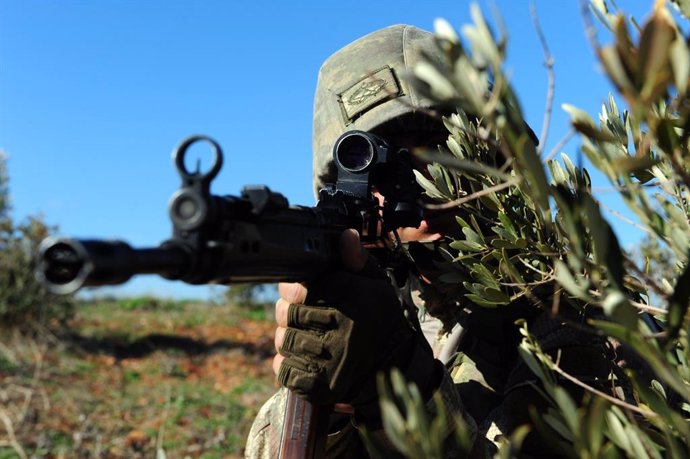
(364, 86)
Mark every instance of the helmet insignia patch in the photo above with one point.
(368, 92)
(367, 89)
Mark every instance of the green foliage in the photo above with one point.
(149, 303)
(409, 427)
(246, 295)
(22, 299)
(657, 261)
(531, 230)
(249, 299)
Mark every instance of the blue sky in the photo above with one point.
(95, 94)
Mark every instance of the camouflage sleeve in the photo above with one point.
(264, 438)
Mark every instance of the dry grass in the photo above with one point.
(133, 382)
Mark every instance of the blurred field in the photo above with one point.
(136, 378)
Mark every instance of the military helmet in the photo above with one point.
(363, 86)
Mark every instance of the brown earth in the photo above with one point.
(177, 382)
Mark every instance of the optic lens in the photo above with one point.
(355, 153)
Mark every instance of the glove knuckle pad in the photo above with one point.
(304, 380)
(299, 342)
(296, 379)
(300, 316)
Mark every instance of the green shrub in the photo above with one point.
(23, 301)
(254, 301)
(149, 303)
(533, 230)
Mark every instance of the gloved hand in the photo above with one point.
(335, 334)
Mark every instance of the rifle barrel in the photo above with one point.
(65, 265)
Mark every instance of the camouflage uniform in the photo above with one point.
(344, 440)
(486, 382)
(363, 87)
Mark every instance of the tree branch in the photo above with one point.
(548, 62)
(473, 196)
(614, 400)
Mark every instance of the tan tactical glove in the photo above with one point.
(335, 335)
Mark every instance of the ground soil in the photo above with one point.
(170, 380)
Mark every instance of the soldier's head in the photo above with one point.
(364, 87)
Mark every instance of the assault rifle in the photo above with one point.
(256, 237)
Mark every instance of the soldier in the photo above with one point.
(336, 334)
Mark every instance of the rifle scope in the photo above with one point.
(355, 152)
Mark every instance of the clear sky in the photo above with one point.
(95, 94)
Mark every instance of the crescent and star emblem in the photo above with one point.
(367, 89)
